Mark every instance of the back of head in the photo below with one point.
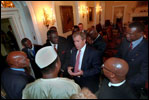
(17, 59)
(46, 59)
(85, 93)
(117, 66)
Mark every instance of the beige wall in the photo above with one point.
(109, 9)
(38, 10)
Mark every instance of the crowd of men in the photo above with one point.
(72, 68)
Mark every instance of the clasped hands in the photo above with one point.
(79, 73)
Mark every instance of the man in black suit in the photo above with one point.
(61, 46)
(134, 49)
(70, 39)
(31, 50)
(15, 78)
(98, 42)
(115, 85)
(85, 63)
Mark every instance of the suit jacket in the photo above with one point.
(121, 92)
(63, 52)
(70, 41)
(35, 67)
(90, 66)
(99, 44)
(137, 60)
(13, 82)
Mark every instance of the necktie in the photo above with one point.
(130, 47)
(55, 47)
(77, 62)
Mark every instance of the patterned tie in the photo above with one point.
(77, 62)
(130, 47)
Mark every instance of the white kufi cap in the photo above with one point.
(45, 56)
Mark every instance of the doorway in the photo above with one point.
(8, 39)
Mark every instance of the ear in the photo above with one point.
(84, 40)
(112, 75)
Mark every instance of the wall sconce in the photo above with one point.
(83, 10)
(48, 19)
(7, 4)
(98, 9)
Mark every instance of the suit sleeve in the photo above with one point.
(140, 78)
(95, 69)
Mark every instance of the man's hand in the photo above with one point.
(79, 73)
(70, 70)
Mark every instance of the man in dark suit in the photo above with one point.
(85, 63)
(115, 85)
(31, 50)
(15, 78)
(134, 49)
(61, 46)
(70, 39)
(98, 42)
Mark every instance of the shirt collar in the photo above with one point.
(18, 69)
(97, 37)
(53, 44)
(117, 84)
(83, 48)
(135, 43)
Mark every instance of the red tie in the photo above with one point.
(77, 62)
(55, 47)
(130, 47)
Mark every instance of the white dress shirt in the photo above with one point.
(81, 56)
(53, 45)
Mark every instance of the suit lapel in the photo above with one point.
(84, 57)
(137, 48)
(74, 56)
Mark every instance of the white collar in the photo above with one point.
(53, 44)
(97, 37)
(83, 48)
(117, 84)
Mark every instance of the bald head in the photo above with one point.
(116, 66)
(17, 59)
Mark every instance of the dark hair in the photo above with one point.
(75, 28)
(51, 32)
(50, 67)
(140, 26)
(53, 28)
(23, 41)
(80, 24)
